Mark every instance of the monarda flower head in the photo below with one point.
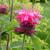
(28, 21)
(3, 9)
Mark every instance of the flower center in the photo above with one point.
(26, 25)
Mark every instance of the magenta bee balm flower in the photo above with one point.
(28, 21)
(3, 9)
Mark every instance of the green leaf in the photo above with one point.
(16, 48)
(11, 25)
(16, 44)
(36, 43)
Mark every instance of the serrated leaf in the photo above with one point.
(36, 43)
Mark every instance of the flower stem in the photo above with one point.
(11, 10)
(7, 47)
(0, 40)
(23, 42)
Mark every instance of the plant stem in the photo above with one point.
(23, 42)
(7, 47)
(0, 40)
(11, 11)
(11, 14)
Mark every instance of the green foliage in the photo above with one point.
(0, 48)
(37, 6)
(44, 1)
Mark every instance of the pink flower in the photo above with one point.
(3, 9)
(28, 20)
